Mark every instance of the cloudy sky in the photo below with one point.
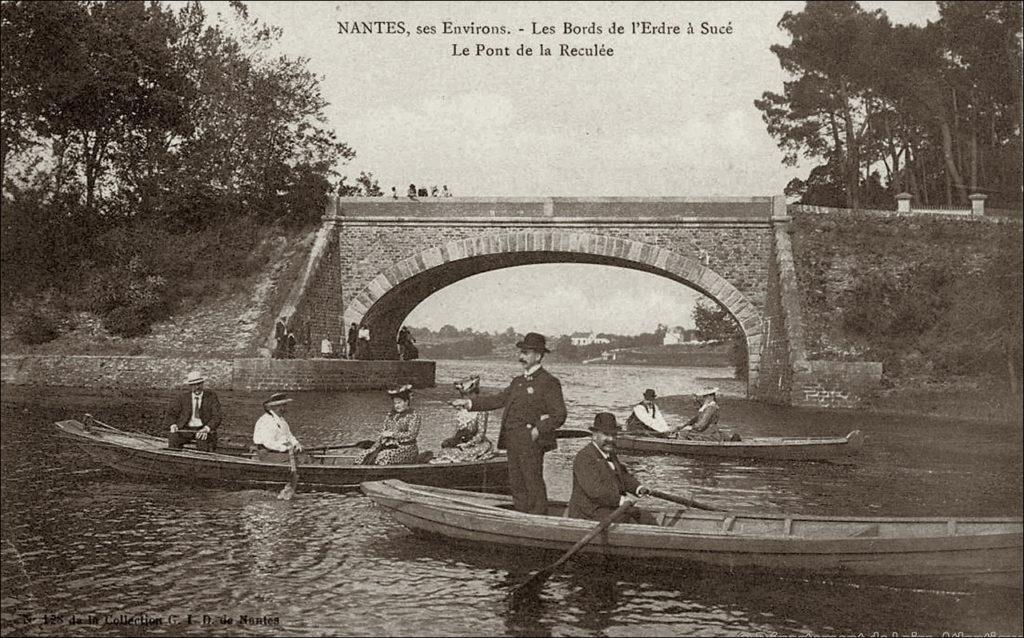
(665, 115)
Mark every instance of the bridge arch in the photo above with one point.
(391, 295)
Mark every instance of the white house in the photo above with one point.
(586, 338)
(678, 335)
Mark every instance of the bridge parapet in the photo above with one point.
(623, 209)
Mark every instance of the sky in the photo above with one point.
(665, 115)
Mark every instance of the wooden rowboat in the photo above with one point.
(944, 550)
(776, 448)
(148, 456)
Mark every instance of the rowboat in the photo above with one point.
(148, 456)
(957, 550)
(775, 448)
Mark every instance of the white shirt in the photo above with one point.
(532, 370)
(197, 402)
(364, 333)
(273, 433)
(326, 347)
(655, 420)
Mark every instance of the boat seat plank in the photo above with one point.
(866, 532)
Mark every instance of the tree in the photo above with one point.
(822, 112)
(714, 323)
(96, 73)
(366, 186)
(935, 110)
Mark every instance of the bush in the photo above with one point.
(128, 321)
(35, 328)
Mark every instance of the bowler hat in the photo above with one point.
(279, 398)
(533, 341)
(649, 394)
(605, 423)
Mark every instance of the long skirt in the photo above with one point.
(403, 454)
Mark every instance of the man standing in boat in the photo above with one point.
(534, 409)
(600, 483)
(195, 416)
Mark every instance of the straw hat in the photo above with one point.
(194, 378)
(279, 398)
(705, 391)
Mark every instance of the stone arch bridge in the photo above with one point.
(375, 259)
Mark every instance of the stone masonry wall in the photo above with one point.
(314, 307)
(835, 384)
(238, 374)
(739, 254)
(776, 378)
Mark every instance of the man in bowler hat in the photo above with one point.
(534, 409)
(600, 483)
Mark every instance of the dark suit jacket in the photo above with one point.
(209, 410)
(535, 400)
(595, 487)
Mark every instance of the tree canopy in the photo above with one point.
(934, 110)
(128, 121)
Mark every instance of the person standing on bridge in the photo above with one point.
(534, 409)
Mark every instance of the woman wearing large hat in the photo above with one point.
(272, 432)
(396, 443)
(704, 425)
(470, 442)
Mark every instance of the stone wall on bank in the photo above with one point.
(835, 384)
(225, 374)
(805, 382)
(775, 382)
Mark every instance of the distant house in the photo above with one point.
(678, 335)
(586, 339)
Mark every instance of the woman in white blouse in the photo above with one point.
(272, 433)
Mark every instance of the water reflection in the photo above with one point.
(79, 539)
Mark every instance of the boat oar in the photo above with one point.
(540, 576)
(682, 500)
(289, 490)
(364, 444)
(573, 434)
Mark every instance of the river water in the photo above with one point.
(86, 551)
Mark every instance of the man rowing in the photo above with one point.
(600, 482)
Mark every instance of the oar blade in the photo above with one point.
(538, 578)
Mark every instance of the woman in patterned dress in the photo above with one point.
(470, 442)
(397, 441)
